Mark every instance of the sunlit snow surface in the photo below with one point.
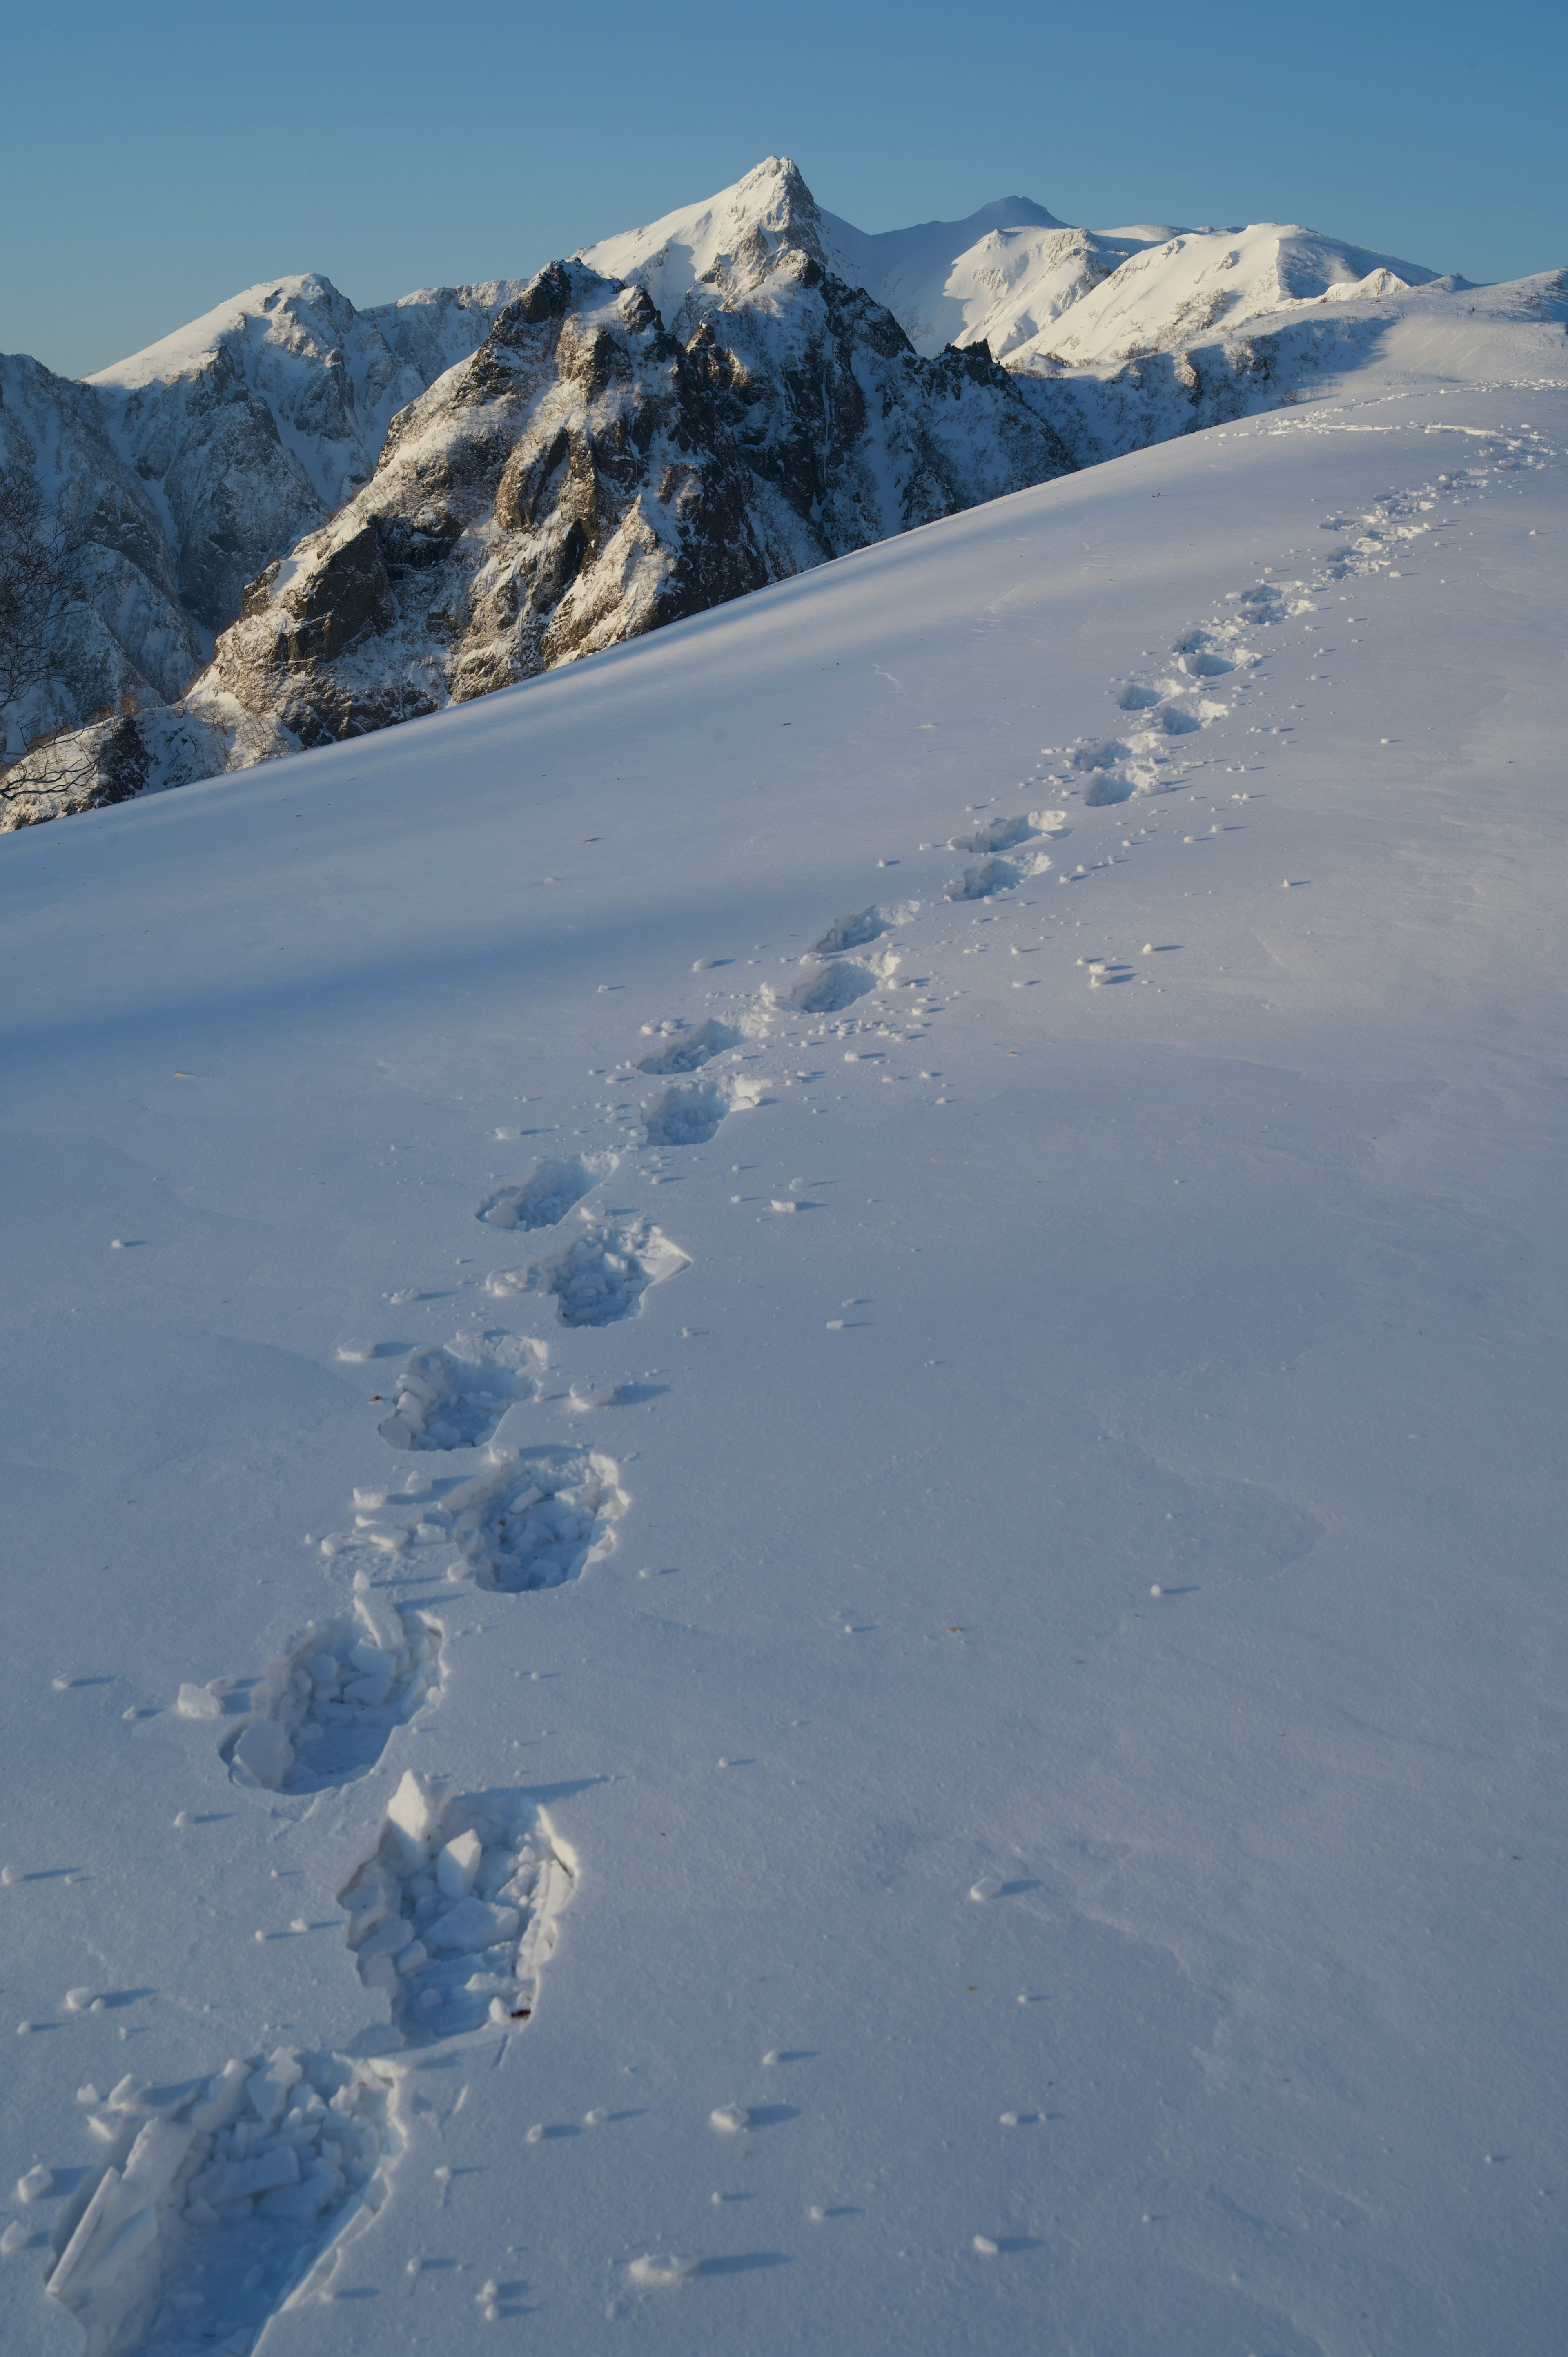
(688, 1659)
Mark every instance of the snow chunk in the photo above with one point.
(458, 1863)
(412, 1814)
(268, 2088)
(263, 1754)
(470, 1924)
(662, 2268)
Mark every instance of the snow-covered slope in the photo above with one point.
(790, 1688)
(1162, 297)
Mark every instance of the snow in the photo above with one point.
(1170, 1970)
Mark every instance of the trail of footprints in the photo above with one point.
(221, 2204)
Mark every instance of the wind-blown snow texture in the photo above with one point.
(563, 475)
(784, 1427)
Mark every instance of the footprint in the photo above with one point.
(454, 1914)
(1108, 786)
(691, 1116)
(995, 835)
(212, 2209)
(1101, 755)
(535, 1518)
(601, 1275)
(833, 987)
(850, 932)
(1261, 603)
(326, 1709)
(692, 1045)
(546, 1195)
(449, 1399)
(979, 883)
(1137, 698)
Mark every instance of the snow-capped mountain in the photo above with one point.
(1007, 274)
(355, 516)
(132, 633)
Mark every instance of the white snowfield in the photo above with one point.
(690, 1669)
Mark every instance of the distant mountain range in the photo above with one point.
(293, 522)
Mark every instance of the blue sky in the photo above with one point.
(156, 159)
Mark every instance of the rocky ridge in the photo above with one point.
(588, 475)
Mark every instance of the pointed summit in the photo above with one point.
(768, 211)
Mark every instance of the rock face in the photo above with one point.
(129, 636)
(589, 475)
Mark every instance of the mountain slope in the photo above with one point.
(196, 462)
(808, 1314)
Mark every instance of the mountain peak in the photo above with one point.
(303, 300)
(769, 210)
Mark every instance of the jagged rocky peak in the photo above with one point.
(588, 475)
(554, 493)
(733, 238)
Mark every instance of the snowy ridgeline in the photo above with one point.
(369, 515)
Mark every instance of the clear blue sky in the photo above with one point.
(156, 158)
